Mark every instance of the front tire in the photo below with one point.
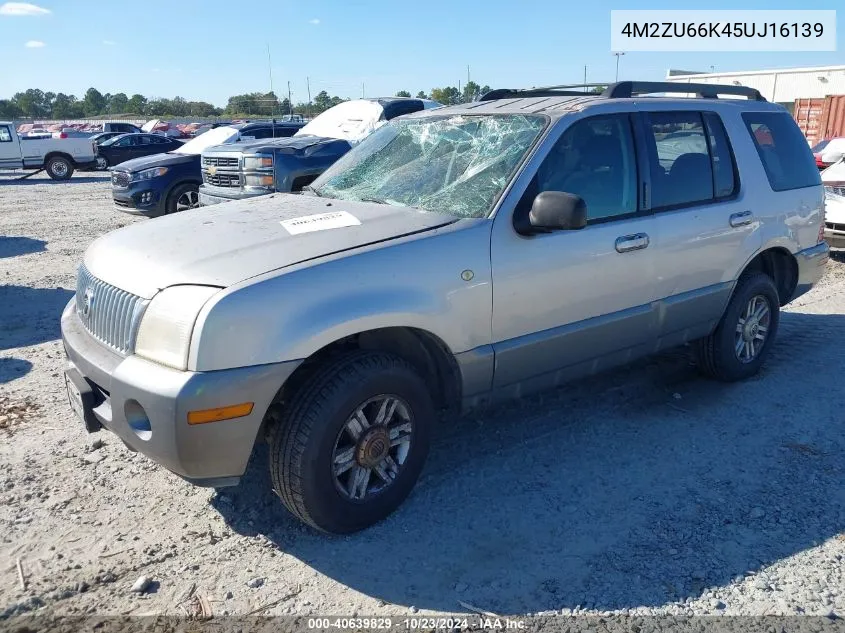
(102, 163)
(59, 168)
(348, 448)
(738, 347)
(182, 198)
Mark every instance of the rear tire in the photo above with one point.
(59, 168)
(740, 343)
(182, 198)
(348, 448)
(102, 163)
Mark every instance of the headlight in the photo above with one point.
(258, 181)
(147, 174)
(262, 161)
(164, 335)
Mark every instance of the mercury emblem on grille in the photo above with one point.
(87, 303)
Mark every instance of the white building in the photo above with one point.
(781, 85)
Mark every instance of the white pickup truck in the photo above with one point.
(58, 156)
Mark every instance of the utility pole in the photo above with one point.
(308, 110)
(585, 74)
(468, 79)
(362, 89)
(618, 55)
(290, 103)
(273, 94)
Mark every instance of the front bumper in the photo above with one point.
(215, 195)
(146, 405)
(139, 198)
(811, 266)
(834, 234)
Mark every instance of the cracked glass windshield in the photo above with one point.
(458, 165)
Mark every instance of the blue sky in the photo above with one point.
(208, 50)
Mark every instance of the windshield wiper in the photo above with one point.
(311, 189)
(376, 200)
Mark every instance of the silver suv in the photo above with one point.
(455, 258)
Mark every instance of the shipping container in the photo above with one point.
(821, 119)
(833, 117)
(808, 114)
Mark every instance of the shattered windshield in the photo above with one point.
(457, 165)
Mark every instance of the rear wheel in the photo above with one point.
(739, 345)
(102, 163)
(59, 168)
(182, 198)
(348, 448)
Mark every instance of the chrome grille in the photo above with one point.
(109, 314)
(221, 161)
(222, 180)
(120, 178)
(838, 190)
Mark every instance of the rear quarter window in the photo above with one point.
(782, 149)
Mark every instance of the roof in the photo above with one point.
(560, 100)
(523, 105)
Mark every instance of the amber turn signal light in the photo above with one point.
(220, 413)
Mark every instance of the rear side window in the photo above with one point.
(681, 170)
(690, 157)
(5, 134)
(783, 150)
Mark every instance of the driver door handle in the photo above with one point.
(741, 219)
(628, 243)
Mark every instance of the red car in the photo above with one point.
(818, 150)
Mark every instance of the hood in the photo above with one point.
(350, 121)
(223, 134)
(295, 145)
(156, 160)
(227, 243)
(834, 173)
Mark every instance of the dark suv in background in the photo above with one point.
(167, 183)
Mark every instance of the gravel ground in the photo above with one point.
(646, 490)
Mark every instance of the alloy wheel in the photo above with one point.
(188, 200)
(372, 447)
(752, 329)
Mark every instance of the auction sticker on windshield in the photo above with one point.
(320, 222)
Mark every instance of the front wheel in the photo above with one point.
(59, 168)
(739, 345)
(182, 198)
(348, 448)
(102, 163)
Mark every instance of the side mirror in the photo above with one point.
(557, 211)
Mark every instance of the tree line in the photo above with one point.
(37, 104)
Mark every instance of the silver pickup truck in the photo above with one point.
(455, 258)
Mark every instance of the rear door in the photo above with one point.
(10, 151)
(705, 225)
